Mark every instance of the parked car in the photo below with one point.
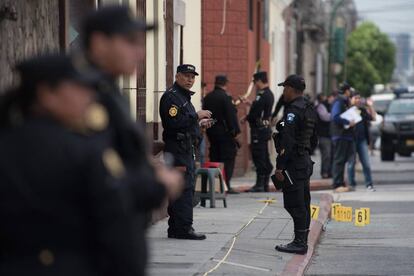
(397, 130)
(381, 101)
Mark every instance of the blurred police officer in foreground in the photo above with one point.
(260, 131)
(294, 143)
(113, 42)
(60, 207)
(181, 137)
(222, 135)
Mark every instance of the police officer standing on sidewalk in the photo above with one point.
(294, 143)
(260, 131)
(181, 137)
(222, 136)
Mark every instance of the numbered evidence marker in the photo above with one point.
(362, 216)
(343, 213)
(359, 217)
(347, 217)
(314, 211)
(333, 210)
(338, 213)
(367, 213)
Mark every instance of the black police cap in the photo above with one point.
(221, 80)
(262, 75)
(114, 20)
(294, 81)
(187, 68)
(52, 69)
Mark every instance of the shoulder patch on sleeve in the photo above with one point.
(290, 118)
(173, 111)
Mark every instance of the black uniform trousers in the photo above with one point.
(181, 210)
(260, 150)
(297, 197)
(223, 149)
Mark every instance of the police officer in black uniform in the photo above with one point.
(222, 135)
(60, 197)
(181, 136)
(294, 143)
(113, 42)
(260, 131)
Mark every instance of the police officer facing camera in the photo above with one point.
(260, 131)
(222, 136)
(294, 143)
(181, 136)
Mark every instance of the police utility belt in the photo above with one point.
(180, 136)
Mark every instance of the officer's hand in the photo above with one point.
(206, 123)
(279, 175)
(172, 180)
(202, 114)
(352, 123)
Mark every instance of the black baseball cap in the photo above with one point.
(221, 80)
(187, 68)
(52, 69)
(294, 81)
(262, 75)
(113, 20)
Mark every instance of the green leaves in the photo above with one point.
(370, 58)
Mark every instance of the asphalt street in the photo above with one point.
(386, 245)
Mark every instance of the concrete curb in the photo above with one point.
(299, 263)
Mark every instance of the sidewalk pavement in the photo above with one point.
(253, 250)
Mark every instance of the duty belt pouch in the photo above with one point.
(254, 135)
(266, 133)
(184, 142)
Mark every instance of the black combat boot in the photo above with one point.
(298, 246)
(266, 183)
(259, 186)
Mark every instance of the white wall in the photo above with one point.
(278, 54)
(156, 51)
(156, 59)
(192, 44)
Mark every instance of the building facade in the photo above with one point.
(238, 38)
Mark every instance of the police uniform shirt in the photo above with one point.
(128, 140)
(60, 205)
(180, 122)
(261, 108)
(290, 128)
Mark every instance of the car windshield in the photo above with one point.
(405, 106)
(381, 105)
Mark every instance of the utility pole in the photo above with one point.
(332, 17)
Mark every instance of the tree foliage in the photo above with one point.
(370, 58)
